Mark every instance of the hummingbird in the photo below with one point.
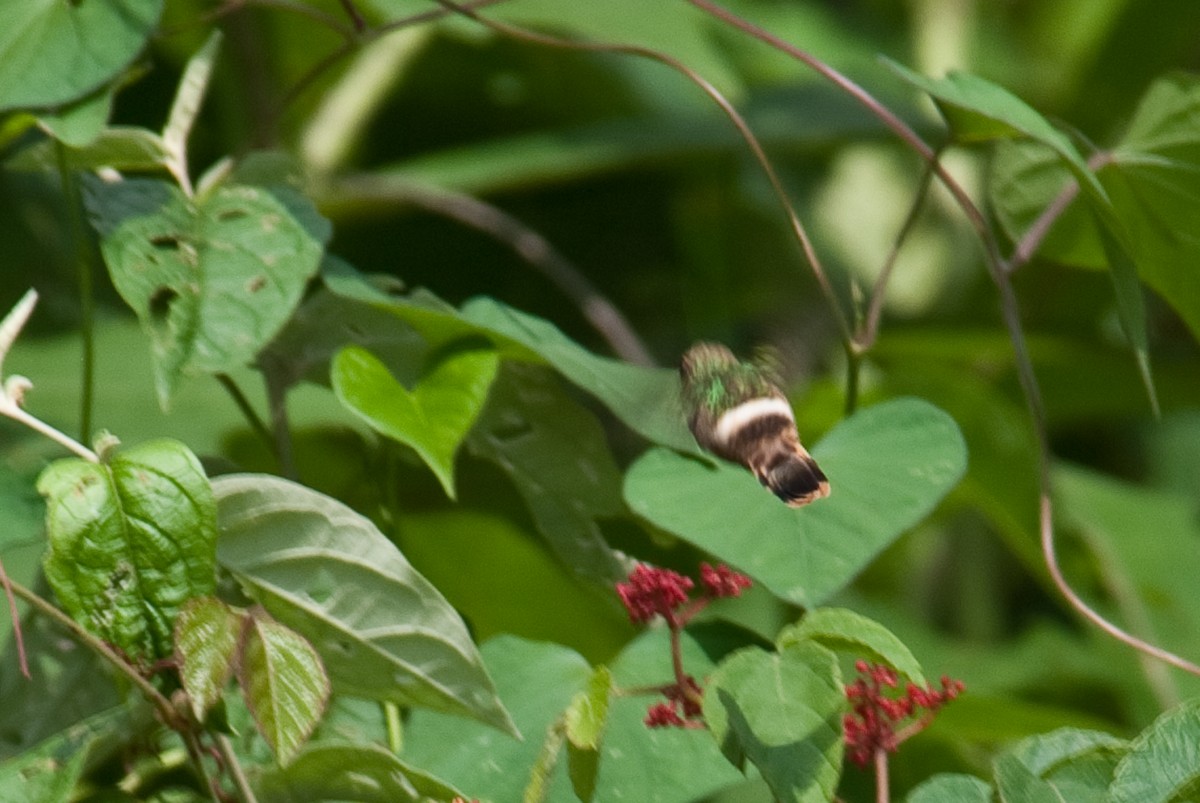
(737, 412)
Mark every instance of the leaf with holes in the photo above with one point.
(130, 542)
(284, 684)
(432, 418)
(212, 278)
(383, 631)
(206, 646)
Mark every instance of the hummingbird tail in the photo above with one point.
(793, 476)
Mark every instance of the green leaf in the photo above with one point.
(1077, 764)
(584, 723)
(119, 147)
(188, 98)
(206, 646)
(556, 454)
(362, 772)
(536, 681)
(79, 124)
(1161, 763)
(783, 712)
(381, 629)
(213, 278)
(52, 52)
(130, 542)
(1151, 177)
(853, 634)
(284, 684)
(1017, 783)
(1005, 115)
(432, 418)
(49, 772)
(951, 788)
(888, 466)
(645, 399)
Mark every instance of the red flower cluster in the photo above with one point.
(872, 725)
(650, 591)
(682, 698)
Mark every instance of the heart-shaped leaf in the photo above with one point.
(382, 630)
(211, 278)
(130, 541)
(888, 467)
(434, 417)
(284, 684)
(53, 53)
(844, 631)
(783, 712)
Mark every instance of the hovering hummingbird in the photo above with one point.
(736, 412)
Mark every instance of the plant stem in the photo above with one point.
(248, 411)
(18, 636)
(87, 299)
(9, 408)
(882, 794)
(229, 756)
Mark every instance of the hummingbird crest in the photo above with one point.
(737, 412)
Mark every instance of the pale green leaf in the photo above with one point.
(206, 647)
(853, 634)
(212, 279)
(783, 712)
(1161, 763)
(54, 52)
(188, 98)
(432, 418)
(130, 542)
(584, 723)
(284, 685)
(383, 632)
(362, 772)
(951, 788)
(888, 466)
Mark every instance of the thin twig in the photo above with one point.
(10, 409)
(282, 434)
(748, 136)
(356, 18)
(247, 410)
(87, 302)
(18, 635)
(882, 784)
(528, 244)
(230, 759)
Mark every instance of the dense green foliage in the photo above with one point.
(311, 489)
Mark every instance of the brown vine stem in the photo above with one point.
(723, 103)
(528, 244)
(18, 635)
(1009, 310)
(882, 783)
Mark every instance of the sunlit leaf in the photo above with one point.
(284, 684)
(53, 52)
(584, 723)
(130, 541)
(432, 418)
(949, 788)
(888, 466)
(1161, 763)
(783, 712)
(845, 631)
(361, 772)
(381, 629)
(213, 278)
(207, 633)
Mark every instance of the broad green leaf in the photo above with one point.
(53, 52)
(855, 635)
(381, 629)
(645, 399)
(119, 147)
(1004, 115)
(212, 278)
(284, 684)
(951, 788)
(130, 542)
(536, 681)
(474, 558)
(1161, 763)
(1151, 177)
(1078, 764)
(207, 633)
(888, 466)
(434, 417)
(49, 772)
(362, 772)
(783, 712)
(556, 454)
(584, 723)
(79, 124)
(1017, 783)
